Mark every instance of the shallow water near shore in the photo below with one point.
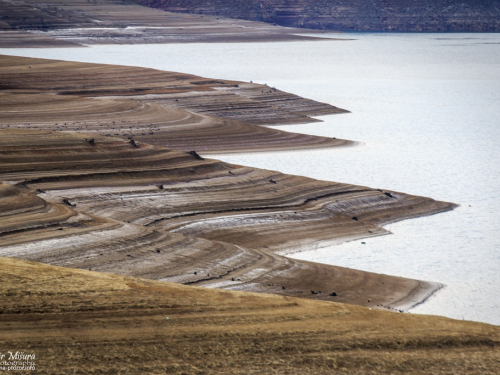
(425, 107)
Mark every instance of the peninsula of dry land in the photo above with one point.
(122, 202)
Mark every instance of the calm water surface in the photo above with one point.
(427, 109)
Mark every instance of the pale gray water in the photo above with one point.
(426, 106)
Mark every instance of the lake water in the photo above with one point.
(427, 109)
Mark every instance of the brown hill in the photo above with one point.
(348, 15)
(86, 322)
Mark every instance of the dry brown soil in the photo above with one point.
(175, 110)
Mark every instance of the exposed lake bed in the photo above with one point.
(425, 109)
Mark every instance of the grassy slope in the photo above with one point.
(87, 322)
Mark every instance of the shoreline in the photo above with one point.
(175, 110)
(234, 218)
(417, 297)
(42, 25)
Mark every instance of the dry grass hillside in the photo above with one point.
(84, 322)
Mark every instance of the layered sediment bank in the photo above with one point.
(348, 15)
(88, 182)
(61, 23)
(127, 207)
(174, 110)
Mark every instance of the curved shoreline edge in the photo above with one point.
(86, 156)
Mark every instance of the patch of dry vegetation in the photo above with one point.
(87, 322)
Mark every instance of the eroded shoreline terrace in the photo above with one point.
(126, 202)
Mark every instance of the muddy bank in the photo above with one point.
(170, 109)
(55, 23)
(113, 205)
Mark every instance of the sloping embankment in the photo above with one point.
(353, 15)
(90, 322)
(127, 207)
(62, 23)
(174, 110)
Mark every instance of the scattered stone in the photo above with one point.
(160, 187)
(195, 155)
(67, 202)
(333, 294)
(272, 181)
(390, 195)
(355, 218)
(158, 251)
(132, 142)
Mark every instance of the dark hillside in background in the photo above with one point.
(352, 15)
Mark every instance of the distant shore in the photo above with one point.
(82, 23)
